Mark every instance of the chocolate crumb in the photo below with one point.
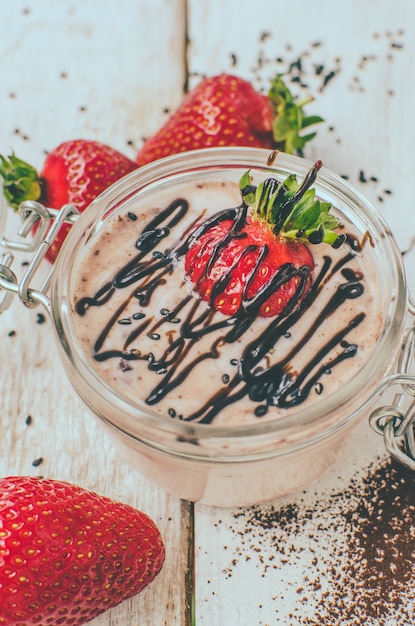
(363, 535)
(125, 366)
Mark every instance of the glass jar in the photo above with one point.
(232, 463)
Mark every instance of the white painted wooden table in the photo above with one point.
(109, 71)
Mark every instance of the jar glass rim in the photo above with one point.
(327, 184)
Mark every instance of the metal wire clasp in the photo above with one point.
(396, 422)
(39, 229)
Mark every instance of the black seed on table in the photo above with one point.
(125, 321)
(234, 362)
(362, 177)
(28, 420)
(40, 319)
(132, 216)
(172, 413)
(328, 78)
(225, 379)
(154, 336)
(12, 333)
(37, 462)
(164, 312)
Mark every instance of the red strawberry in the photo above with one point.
(74, 172)
(225, 110)
(261, 262)
(67, 555)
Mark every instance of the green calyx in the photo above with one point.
(292, 209)
(289, 119)
(20, 181)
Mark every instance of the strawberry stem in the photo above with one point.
(286, 209)
(291, 209)
(20, 181)
(289, 119)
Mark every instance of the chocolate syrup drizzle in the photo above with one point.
(265, 386)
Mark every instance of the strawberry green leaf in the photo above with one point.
(310, 120)
(292, 209)
(247, 189)
(20, 181)
(289, 118)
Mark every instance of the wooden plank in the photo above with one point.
(90, 69)
(329, 555)
(104, 71)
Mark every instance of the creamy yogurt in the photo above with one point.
(151, 337)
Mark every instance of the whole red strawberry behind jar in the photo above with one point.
(230, 318)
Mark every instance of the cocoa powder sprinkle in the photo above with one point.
(366, 575)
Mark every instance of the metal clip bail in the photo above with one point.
(48, 223)
(8, 280)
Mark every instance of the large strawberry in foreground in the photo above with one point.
(67, 555)
(256, 259)
(226, 110)
(74, 172)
